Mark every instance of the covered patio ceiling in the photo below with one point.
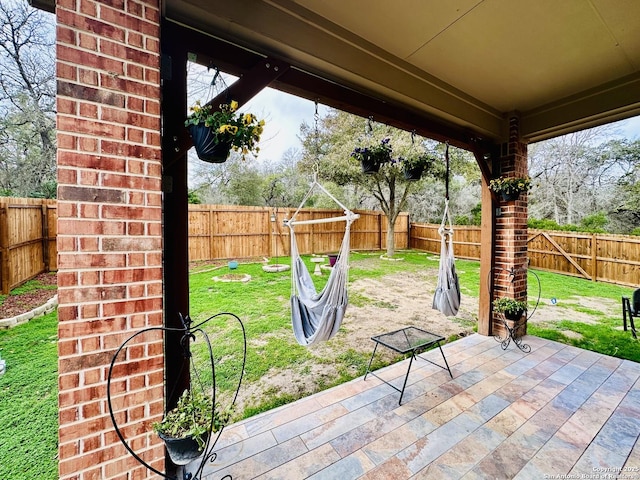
(467, 65)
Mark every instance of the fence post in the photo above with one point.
(271, 224)
(4, 250)
(213, 219)
(45, 236)
(408, 232)
(594, 257)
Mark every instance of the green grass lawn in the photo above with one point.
(29, 400)
(28, 391)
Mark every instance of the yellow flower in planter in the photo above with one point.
(239, 130)
(510, 185)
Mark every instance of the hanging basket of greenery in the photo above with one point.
(372, 157)
(415, 165)
(510, 188)
(215, 133)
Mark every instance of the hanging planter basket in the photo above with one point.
(509, 197)
(207, 147)
(182, 450)
(369, 165)
(413, 174)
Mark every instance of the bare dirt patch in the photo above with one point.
(390, 303)
(574, 309)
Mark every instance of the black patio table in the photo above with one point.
(411, 340)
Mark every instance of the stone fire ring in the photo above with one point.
(278, 267)
(232, 277)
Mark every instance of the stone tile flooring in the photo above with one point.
(556, 411)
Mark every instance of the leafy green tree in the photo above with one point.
(624, 158)
(193, 197)
(595, 223)
(329, 152)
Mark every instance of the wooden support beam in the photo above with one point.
(235, 60)
(487, 240)
(175, 217)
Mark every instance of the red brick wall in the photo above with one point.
(109, 233)
(510, 274)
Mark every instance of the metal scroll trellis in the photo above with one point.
(511, 333)
(190, 333)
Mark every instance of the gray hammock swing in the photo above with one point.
(447, 296)
(316, 316)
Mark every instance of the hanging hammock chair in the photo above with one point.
(447, 296)
(316, 316)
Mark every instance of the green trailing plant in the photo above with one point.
(228, 125)
(191, 417)
(510, 185)
(379, 152)
(420, 160)
(509, 306)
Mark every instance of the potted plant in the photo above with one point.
(371, 157)
(216, 132)
(510, 187)
(414, 166)
(186, 428)
(512, 309)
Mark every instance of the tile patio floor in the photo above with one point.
(505, 414)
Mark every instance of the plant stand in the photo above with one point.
(183, 454)
(512, 334)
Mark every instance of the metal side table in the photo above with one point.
(411, 340)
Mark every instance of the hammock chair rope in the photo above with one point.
(316, 316)
(447, 295)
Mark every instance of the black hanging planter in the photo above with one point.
(369, 165)
(182, 450)
(413, 174)
(508, 197)
(208, 148)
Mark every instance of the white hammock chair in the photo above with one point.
(447, 296)
(316, 316)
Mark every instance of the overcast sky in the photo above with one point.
(285, 113)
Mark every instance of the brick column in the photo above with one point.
(109, 233)
(510, 271)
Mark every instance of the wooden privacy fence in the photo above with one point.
(596, 257)
(227, 232)
(27, 240)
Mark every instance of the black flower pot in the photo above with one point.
(208, 148)
(369, 165)
(182, 450)
(514, 316)
(508, 197)
(413, 174)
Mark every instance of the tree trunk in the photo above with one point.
(391, 243)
